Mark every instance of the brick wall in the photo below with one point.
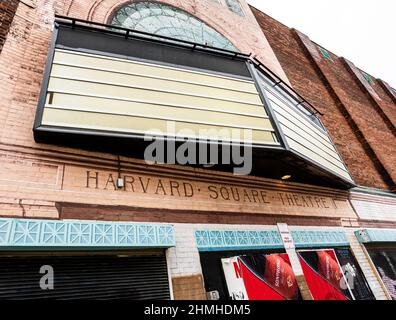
(7, 12)
(32, 173)
(374, 208)
(360, 117)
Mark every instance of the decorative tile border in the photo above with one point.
(214, 240)
(209, 240)
(319, 238)
(376, 235)
(68, 234)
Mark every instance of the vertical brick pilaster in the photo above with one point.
(304, 289)
(367, 267)
(369, 126)
(300, 278)
(391, 92)
(383, 109)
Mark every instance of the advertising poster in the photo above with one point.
(260, 277)
(324, 276)
(385, 262)
(354, 275)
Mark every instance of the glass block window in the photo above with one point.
(368, 78)
(235, 7)
(164, 20)
(325, 54)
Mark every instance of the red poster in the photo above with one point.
(257, 288)
(261, 277)
(280, 276)
(329, 268)
(323, 275)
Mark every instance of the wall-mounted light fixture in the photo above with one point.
(120, 180)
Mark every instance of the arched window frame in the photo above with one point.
(223, 43)
(235, 6)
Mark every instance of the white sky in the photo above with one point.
(363, 31)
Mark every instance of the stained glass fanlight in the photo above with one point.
(235, 7)
(165, 20)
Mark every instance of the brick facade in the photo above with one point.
(359, 116)
(22, 62)
(7, 12)
(48, 181)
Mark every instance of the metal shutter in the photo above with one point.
(86, 277)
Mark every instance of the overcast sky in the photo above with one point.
(363, 31)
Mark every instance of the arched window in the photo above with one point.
(161, 19)
(235, 7)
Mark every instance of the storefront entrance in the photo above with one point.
(331, 274)
(217, 278)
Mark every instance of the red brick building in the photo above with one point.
(359, 109)
(77, 191)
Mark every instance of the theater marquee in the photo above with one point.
(112, 93)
